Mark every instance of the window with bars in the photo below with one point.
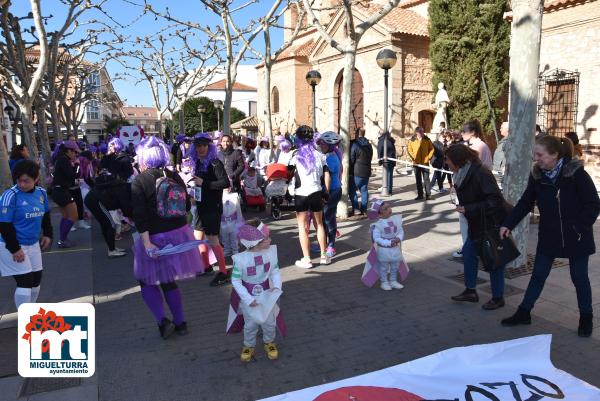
(557, 101)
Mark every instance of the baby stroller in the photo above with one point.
(252, 197)
(277, 189)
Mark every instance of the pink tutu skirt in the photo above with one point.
(168, 268)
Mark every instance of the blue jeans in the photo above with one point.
(389, 170)
(361, 184)
(578, 267)
(329, 213)
(471, 266)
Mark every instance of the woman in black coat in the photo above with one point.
(569, 205)
(482, 204)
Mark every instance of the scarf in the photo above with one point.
(460, 175)
(553, 174)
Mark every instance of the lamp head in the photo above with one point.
(386, 59)
(313, 77)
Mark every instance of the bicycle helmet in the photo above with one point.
(330, 138)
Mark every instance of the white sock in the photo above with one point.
(35, 291)
(22, 295)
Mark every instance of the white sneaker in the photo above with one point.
(325, 260)
(457, 254)
(83, 224)
(386, 286)
(73, 228)
(396, 285)
(116, 253)
(304, 264)
(119, 249)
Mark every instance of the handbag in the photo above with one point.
(496, 252)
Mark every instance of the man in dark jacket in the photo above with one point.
(361, 155)
(388, 167)
(233, 159)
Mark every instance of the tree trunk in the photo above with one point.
(44, 142)
(5, 176)
(524, 64)
(345, 115)
(28, 131)
(268, 121)
(55, 121)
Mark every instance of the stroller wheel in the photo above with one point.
(276, 214)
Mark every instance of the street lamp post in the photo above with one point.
(313, 78)
(201, 110)
(386, 59)
(218, 105)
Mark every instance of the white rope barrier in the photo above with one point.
(430, 168)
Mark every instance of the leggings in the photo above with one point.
(29, 280)
(103, 217)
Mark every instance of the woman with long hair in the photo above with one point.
(481, 203)
(159, 226)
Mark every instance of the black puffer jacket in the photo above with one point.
(479, 193)
(568, 210)
(361, 155)
(233, 160)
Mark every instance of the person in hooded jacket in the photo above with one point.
(361, 156)
(388, 167)
(569, 206)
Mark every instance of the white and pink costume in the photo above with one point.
(231, 220)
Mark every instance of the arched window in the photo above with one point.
(275, 100)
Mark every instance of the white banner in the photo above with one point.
(516, 370)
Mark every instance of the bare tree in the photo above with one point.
(269, 58)
(24, 55)
(169, 64)
(525, 40)
(235, 41)
(355, 33)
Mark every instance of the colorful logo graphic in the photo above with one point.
(56, 340)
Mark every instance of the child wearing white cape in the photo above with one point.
(385, 256)
(231, 220)
(256, 283)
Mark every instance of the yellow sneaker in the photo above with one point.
(271, 350)
(247, 354)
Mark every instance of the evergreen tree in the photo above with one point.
(193, 122)
(468, 38)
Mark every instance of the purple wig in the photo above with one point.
(152, 153)
(285, 145)
(86, 167)
(117, 144)
(210, 156)
(306, 153)
(56, 151)
(102, 148)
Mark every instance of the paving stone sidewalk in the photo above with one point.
(337, 327)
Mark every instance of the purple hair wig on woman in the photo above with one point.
(153, 153)
(117, 144)
(210, 156)
(285, 145)
(306, 153)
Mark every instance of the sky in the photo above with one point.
(127, 14)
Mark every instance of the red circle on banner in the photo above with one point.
(367, 393)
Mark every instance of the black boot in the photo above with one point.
(468, 295)
(166, 328)
(181, 329)
(521, 316)
(586, 325)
